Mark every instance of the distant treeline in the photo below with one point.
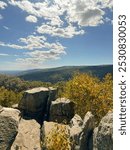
(55, 75)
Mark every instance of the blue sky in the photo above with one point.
(44, 33)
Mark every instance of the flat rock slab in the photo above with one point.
(28, 137)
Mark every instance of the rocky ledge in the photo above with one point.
(39, 115)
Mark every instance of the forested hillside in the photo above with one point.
(55, 75)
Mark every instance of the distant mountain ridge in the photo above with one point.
(64, 73)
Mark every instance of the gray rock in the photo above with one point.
(61, 110)
(75, 131)
(10, 112)
(95, 132)
(9, 119)
(28, 137)
(55, 136)
(103, 135)
(76, 121)
(87, 131)
(36, 102)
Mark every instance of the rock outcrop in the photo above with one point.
(86, 136)
(76, 129)
(36, 102)
(28, 137)
(9, 120)
(81, 131)
(59, 127)
(61, 110)
(103, 134)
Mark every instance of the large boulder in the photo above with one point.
(28, 137)
(55, 136)
(61, 110)
(9, 120)
(103, 134)
(87, 132)
(36, 102)
(75, 131)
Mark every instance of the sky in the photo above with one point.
(52, 33)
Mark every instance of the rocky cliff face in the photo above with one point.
(41, 121)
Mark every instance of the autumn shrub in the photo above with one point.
(57, 139)
(90, 94)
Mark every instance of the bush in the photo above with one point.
(8, 97)
(90, 94)
(57, 139)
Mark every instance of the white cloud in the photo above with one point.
(2, 54)
(62, 17)
(40, 50)
(34, 43)
(3, 5)
(67, 32)
(31, 18)
(39, 42)
(84, 13)
(40, 9)
(37, 58)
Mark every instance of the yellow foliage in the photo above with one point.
(90, 94)
(58, 138)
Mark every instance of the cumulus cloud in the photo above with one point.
(3, 5)
(67, 32)
(40, 9)
(57, 13)
(40, 49)
(31, 18)
(34, 42)
(85, 12)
